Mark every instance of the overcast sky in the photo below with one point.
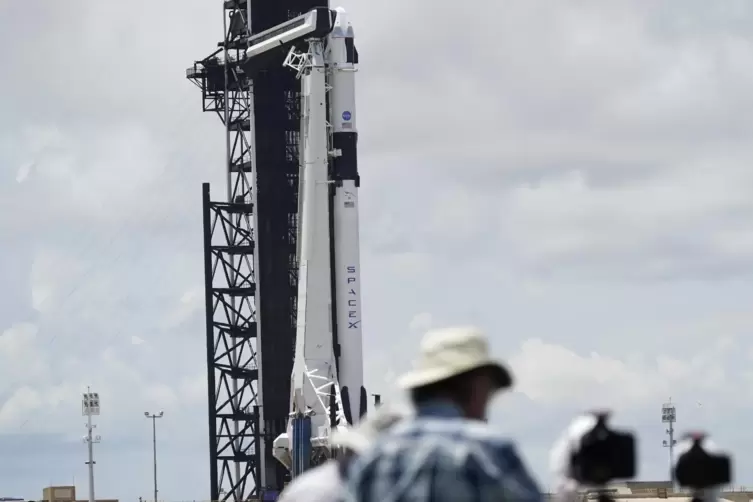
(572, 176)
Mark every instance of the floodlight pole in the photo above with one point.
(90, 444)
(154, 417)
(669, 416)
(89, 408)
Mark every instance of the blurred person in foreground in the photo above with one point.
(447, 452)
(324, 482)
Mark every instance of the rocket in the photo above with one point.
(342, 58)
(328, 345)
(314, 347)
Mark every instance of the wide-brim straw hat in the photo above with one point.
(450, 352)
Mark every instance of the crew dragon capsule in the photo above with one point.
(342, 58)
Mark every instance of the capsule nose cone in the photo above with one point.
(342, 25)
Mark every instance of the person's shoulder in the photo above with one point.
(492, 439)
(319, 484)
(460, 437)
(475, 456)
(460, 428)
(457, 435)
(478, 439)
(486, 433)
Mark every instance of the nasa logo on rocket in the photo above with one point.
(346, 120)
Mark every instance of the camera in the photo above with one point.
(602, 454)
(700, 465)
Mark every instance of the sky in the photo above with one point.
(573, 177)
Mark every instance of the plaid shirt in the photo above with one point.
(440, 456)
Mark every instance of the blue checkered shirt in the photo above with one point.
(440, 456)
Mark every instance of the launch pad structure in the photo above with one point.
(250, 253)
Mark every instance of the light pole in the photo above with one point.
(154, 417)
(669, 416)
(89, 408)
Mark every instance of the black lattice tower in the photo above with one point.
(250, 254)
(231, 349)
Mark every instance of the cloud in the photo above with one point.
(680, 227)
(20, 361)
(421, 322)
(549, 166)
(52, 272)
(552, 374)
(573, 177)
(190, 304)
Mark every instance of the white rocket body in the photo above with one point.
(329, 273)
(314, 340)
(342, 59)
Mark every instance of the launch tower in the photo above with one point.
(250, 253)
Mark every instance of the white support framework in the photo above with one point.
(298, 61)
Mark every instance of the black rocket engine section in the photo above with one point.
(364, 404)
(345, 393)
(363, 408)
(332, 408)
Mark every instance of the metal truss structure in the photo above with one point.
(232, 332)
(250, 254)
